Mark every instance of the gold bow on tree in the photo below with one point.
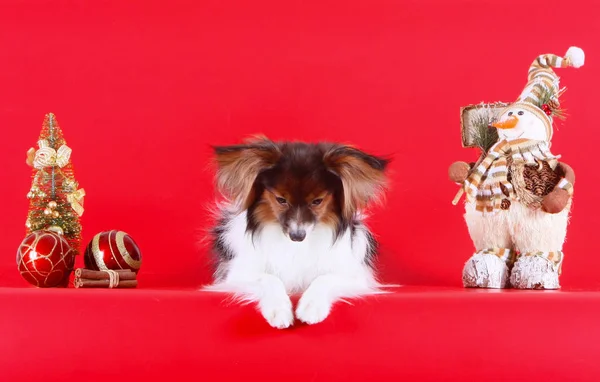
(76, 200)
(46, 156)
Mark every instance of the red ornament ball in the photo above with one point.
(45, 259)
(112, 250)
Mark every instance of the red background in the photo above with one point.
(142, 88)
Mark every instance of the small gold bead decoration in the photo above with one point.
(52, 204)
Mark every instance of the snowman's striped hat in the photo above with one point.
(542, 91)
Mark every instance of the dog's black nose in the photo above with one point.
(298, 235)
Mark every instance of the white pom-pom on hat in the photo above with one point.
(576, 56)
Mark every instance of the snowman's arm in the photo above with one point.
(566, 171)
(459, 171)
(557, 200)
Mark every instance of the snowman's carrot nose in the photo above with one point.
(508, 123)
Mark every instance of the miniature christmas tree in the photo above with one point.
(55, 201)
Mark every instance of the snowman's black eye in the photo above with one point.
(521, 112)
(510, 113)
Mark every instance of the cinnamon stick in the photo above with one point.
(87, 283)
(124, 274)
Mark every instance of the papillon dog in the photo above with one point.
(293, 222)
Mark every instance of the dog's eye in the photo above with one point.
(281, 201)
(316, 202)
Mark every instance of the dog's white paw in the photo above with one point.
(278, 312)
(313, 308)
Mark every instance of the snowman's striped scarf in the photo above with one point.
(488, 182)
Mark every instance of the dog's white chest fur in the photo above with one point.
(296, 264)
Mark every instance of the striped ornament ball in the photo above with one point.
(112, 250)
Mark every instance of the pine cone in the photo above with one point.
(540, 181)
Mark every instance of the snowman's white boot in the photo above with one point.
(488, 269)
(539, 239)
(489, 266)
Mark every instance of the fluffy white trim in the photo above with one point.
(576, 56)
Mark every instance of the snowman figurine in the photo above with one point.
(518, 195)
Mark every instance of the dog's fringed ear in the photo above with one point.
(363, 176)
(239, 165)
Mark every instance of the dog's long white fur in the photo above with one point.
(267, 267)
